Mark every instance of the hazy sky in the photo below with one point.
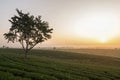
(75, 22)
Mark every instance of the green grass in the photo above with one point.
(56, 65)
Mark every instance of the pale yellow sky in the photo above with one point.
(75, 22)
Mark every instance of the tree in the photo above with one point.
(28, 30)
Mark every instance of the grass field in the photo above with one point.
(57, 65)
(101, 52)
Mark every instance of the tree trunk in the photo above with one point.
(26, 53)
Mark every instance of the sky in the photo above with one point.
(75, 22)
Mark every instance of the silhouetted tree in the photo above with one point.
(3, 46)
(28, 30)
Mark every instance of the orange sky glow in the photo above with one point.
(75, 22)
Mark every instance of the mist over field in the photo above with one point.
(101, 52)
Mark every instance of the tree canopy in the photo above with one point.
(28, 30)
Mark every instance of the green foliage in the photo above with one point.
(28, 30)
(57, 65)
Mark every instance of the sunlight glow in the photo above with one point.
(97, 26)
(103, 40)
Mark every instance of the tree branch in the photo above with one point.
(32, 46)
(21, 42)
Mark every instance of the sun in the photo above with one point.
(103, 40)
(99, 26)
